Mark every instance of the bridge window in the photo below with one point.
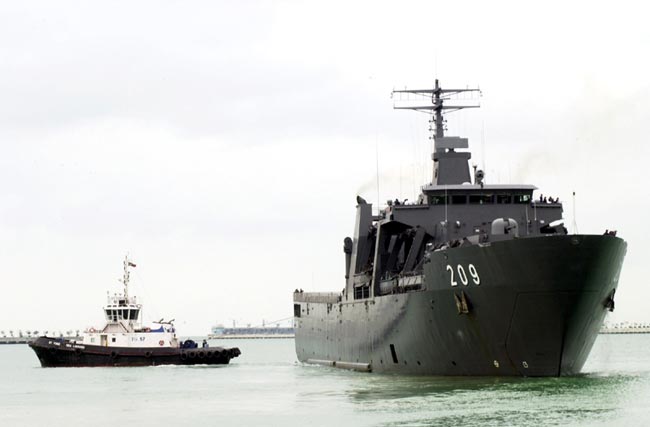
(458, 199)
(480, 199)
(437, 200)
(522, 198)
(503, 199)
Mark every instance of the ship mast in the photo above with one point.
(450, 166)
(125, 278)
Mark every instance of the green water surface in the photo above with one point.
(267, 387)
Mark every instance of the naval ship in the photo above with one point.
(471, 279)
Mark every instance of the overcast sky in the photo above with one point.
(222, 144)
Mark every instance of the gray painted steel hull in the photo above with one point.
(536, 312)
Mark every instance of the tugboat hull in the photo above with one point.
(520, 307)
(54, 352)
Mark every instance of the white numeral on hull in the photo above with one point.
(462, 275)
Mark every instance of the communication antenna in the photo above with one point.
(575, 224)
(483, 144)
(446, 220)
(377, 168)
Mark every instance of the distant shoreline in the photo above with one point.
(612, 331)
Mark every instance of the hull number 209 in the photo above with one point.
(462, 275)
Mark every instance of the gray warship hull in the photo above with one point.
(528, 306)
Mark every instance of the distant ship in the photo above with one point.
(125, 342)
(469, 279)
(257, 332)
(625, 328)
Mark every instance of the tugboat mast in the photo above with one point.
(125, 278)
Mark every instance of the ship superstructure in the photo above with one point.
(124, 325)
(471, 279)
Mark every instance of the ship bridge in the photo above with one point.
(122, 312)
(477, 194)
(118, 310)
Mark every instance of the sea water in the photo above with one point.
(266, 386)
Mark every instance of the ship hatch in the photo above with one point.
(393, 353)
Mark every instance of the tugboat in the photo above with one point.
(470, 279)
(125, 342)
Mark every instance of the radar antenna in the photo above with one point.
(450, 167)
(438, 96)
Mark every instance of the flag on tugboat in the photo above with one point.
(131, 264)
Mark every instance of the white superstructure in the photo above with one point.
(124, 326)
